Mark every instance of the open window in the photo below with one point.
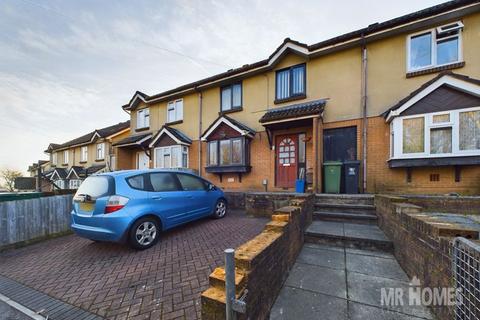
(436, 47)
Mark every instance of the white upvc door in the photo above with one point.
(142, 160)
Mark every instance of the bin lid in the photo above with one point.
(351, 162)
(332, 163)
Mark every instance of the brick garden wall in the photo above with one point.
(263, 263)
(422, 243)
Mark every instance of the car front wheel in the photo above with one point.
(220, 209)
(144, 233)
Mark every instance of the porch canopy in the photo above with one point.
(295, 115)
(137, 141)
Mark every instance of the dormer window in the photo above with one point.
(290, 83)
(436, 47)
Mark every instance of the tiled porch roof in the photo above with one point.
(294, 111)
(132, 140)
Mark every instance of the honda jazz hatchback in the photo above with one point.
(135, 206)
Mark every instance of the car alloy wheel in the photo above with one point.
(146, 233)
(220, 209)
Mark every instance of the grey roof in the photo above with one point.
(93, 169)
(233, 121)
(132, 139)
(86, 138)
(61, 172)
(294, 111)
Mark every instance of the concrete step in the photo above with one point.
(351, 235)
(345, 217)
(345, 208)
(345, 198)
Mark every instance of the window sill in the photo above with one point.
(173, 122)
(142, 129)
(82, 162)
(229, 169)
(230, 111)
(450, 66)
(299, 97)
(434, 161)
(99, 160)
(64, 164)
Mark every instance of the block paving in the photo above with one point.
(116, 282)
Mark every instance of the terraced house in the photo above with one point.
(401, 96)
(71, 162)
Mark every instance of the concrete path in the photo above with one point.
(10, 313)
(330, 282)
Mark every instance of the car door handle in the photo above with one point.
(189, 197)
(157, 198)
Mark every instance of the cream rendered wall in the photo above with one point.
(387, 82)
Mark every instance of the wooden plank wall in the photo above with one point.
(26, 220)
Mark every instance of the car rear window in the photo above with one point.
(97, 187)
(137, 182)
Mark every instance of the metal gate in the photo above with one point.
(466, 276)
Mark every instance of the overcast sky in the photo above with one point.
(67, 67)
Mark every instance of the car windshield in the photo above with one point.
(95, 187)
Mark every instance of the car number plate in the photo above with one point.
(87, 206)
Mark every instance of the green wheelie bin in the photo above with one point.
(332, 172)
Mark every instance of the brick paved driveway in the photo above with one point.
(117, 282)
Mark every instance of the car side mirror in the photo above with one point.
(211, 187)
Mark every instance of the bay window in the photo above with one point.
(175, 111)
(435, 47)
(231, 97)
(290, 82)
(143, 118)
(228, 152)
(443, 134)
(171, 157)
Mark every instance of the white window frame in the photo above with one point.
(143, 118)
(177, 107)
(84, 154)
(100, 148)
(74, 183)
(433, 32)
(65, 157)
(160, 151)
(454, 123)
(54, 158)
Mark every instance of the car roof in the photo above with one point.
(125, 173)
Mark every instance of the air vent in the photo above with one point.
(450, 27)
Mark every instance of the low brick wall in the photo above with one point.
(263, 263)
(451, 204)
(422, 243)
(263, 204)
(236, 200)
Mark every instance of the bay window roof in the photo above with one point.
(176, 136)
(446, 91)
(225, 123)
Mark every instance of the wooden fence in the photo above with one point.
(22, 221)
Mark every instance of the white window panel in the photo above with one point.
(175, 110)
(435, 47)
(100, 151)
(171, 157)
(84, 154)
(143, 118)
(445, 134)
(65, 157)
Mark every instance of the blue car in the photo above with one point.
(136, 205)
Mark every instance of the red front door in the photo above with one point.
(287, 160)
